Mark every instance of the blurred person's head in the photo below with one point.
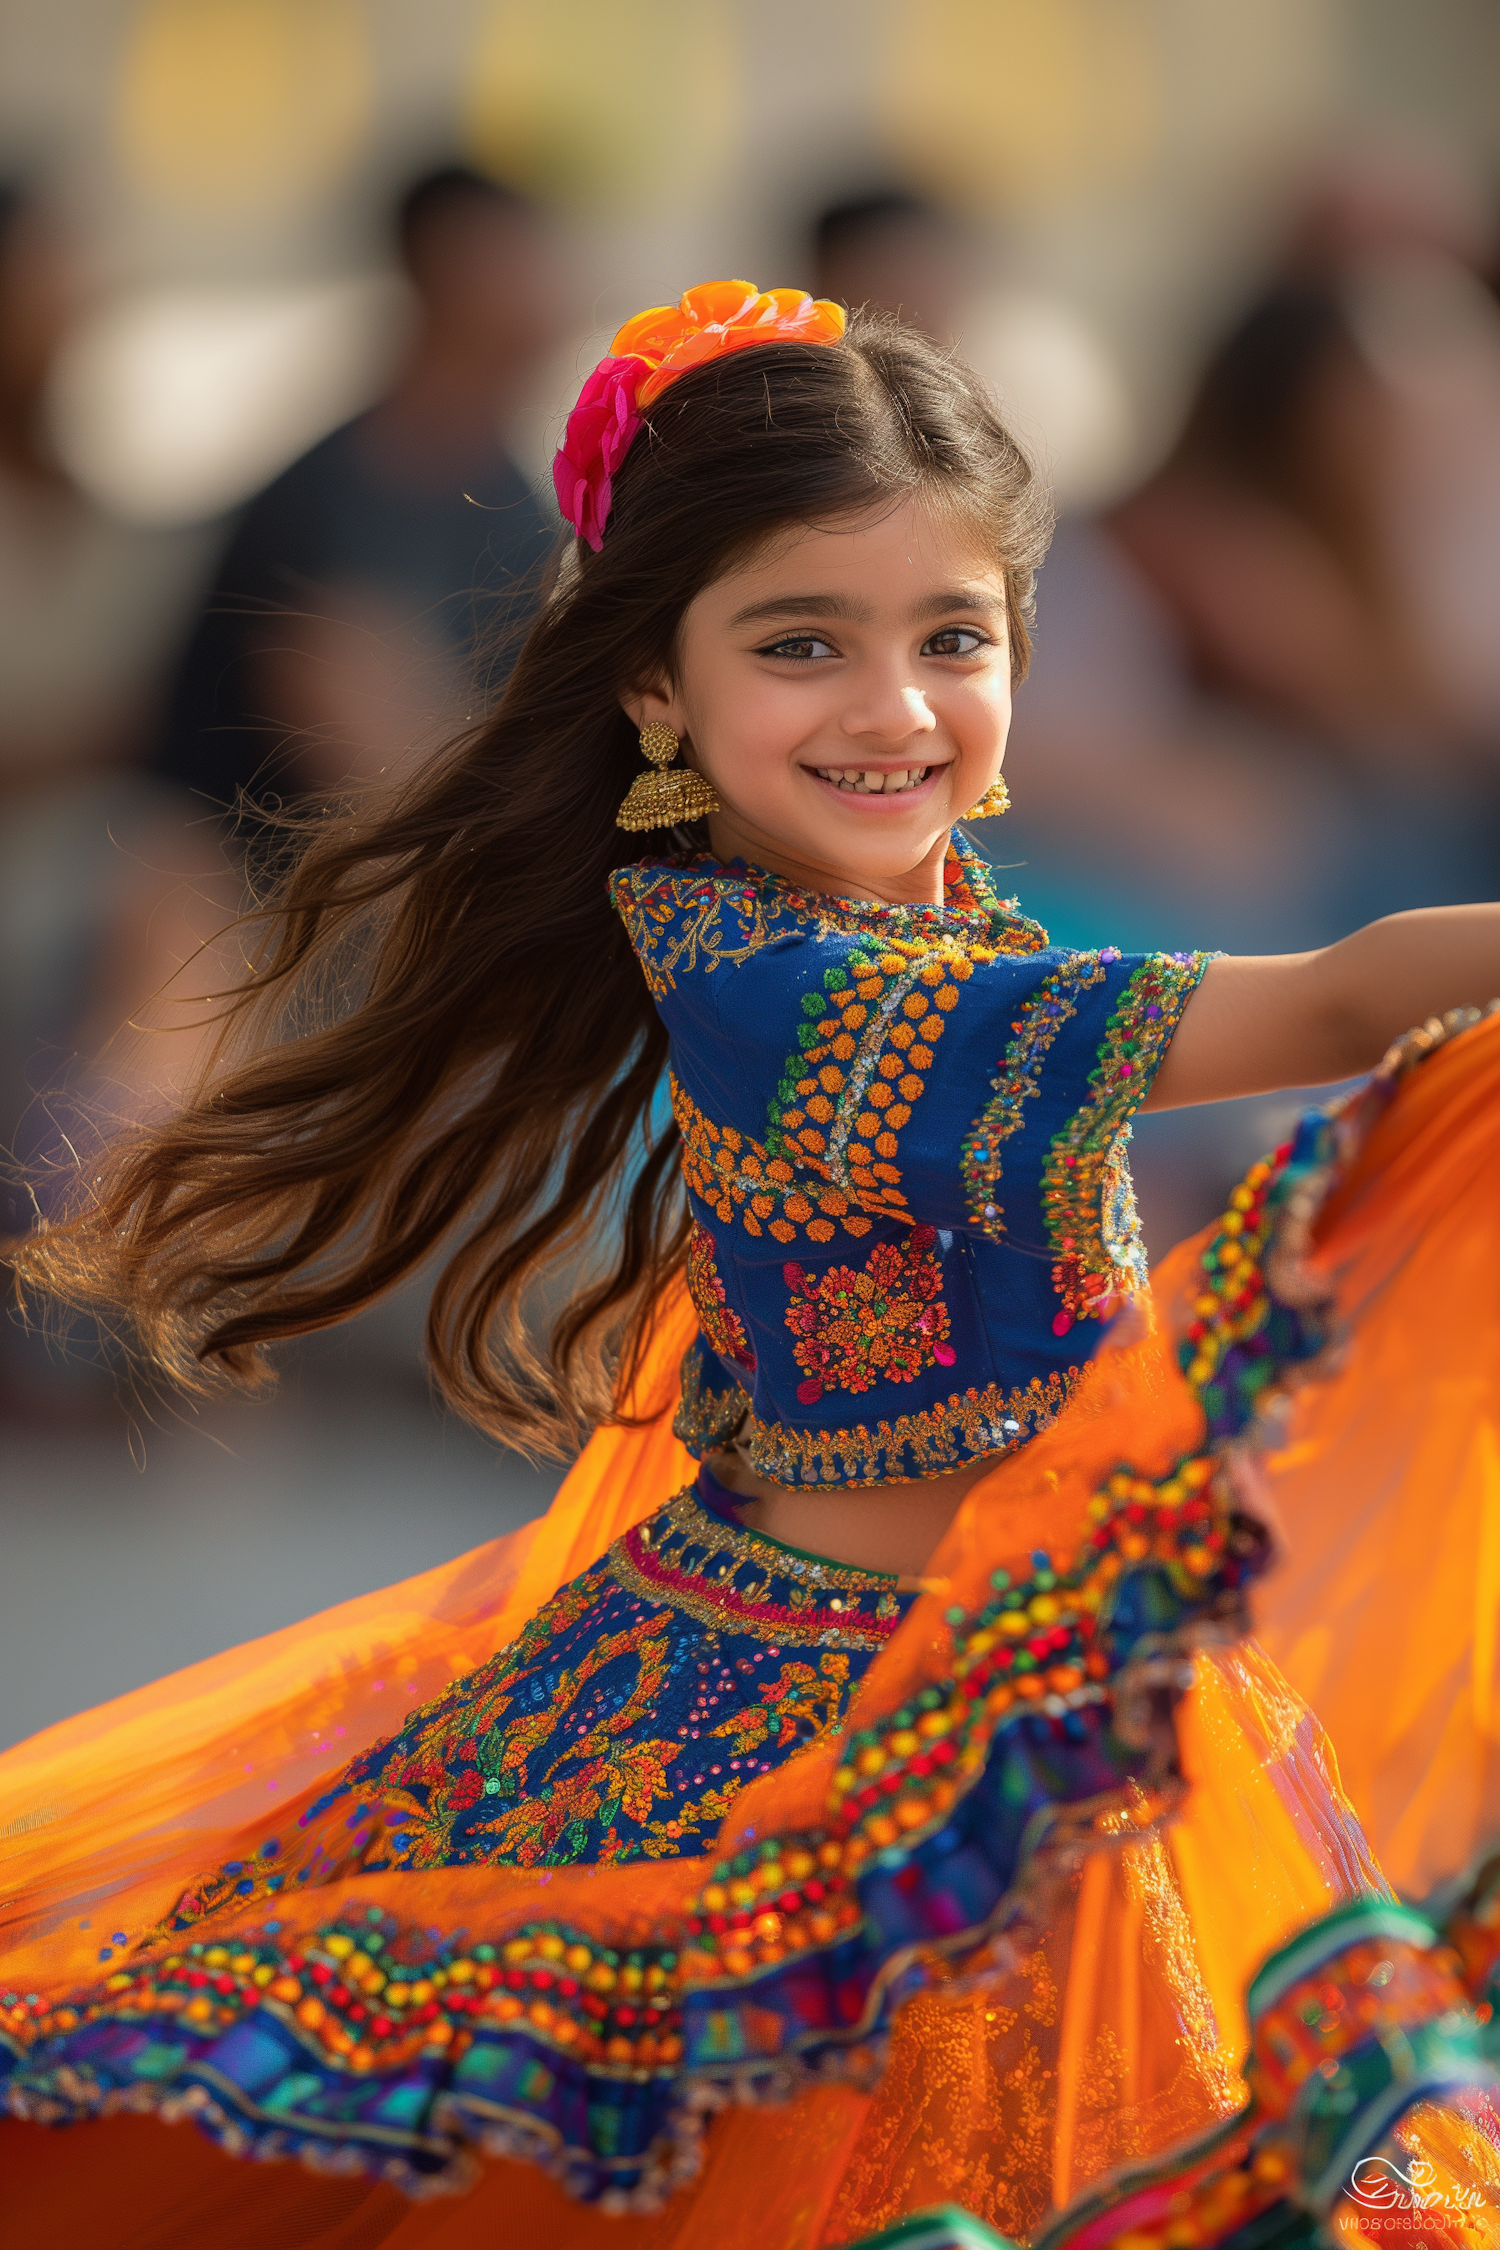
(1264, 529)
(38, 298)
(480, 259)
(894, 252)
(1389, 200)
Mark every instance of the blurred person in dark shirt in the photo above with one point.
(341, 632)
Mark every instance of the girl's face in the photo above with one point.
(847, 692)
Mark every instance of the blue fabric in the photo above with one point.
(904, 1141)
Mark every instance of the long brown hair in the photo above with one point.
(489, 1078)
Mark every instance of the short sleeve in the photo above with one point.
(907, 1078)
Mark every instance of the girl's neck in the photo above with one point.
(921, 885)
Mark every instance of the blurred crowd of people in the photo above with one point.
(1264, 706)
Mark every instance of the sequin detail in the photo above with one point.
(1087, 1199)
(740, 1582)
(711, 1410)
(985, 1419)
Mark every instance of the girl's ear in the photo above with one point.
(655, 705)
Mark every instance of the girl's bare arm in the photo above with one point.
(1262, 1021)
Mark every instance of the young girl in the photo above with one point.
(814, 1752)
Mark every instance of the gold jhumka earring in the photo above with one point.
(665, 800)
(994, 802)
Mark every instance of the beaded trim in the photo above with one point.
(1047, 1643)
(721, 1575)
(365, 2005)
(910, 1447)
(1086, 1197)
(1054, 1001)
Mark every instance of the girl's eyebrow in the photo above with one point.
(804, 605)
(860, 613)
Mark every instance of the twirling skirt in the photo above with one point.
(638, 1880)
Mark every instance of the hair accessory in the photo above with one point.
(650, 352)
(665, 800)
(994, 802)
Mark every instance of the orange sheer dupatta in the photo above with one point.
(106, 1817)
(1117, 2035)
(1386, 1614)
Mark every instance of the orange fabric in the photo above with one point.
(1121, 2029)
(136, 1796)
(1386, 1612)
(1117, 2036)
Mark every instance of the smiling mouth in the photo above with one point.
(863, 781)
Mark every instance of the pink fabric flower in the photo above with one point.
(598, 437)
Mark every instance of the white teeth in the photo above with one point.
(865, 782)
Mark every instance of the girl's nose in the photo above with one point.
(892, 711)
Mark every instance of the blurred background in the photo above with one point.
(294, 296)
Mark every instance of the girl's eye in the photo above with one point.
(956, 640)
(798, 648)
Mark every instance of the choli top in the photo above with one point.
(903, 1139)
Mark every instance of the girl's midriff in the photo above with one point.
(889, 1527)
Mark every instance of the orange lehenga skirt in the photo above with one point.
(1015, 2077)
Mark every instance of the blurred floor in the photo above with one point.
(229, 1521)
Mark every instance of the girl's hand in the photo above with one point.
(1261, 1022)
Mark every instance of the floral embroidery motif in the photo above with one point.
(880, 1324)
(731, 1172)
(989, 1420)
(1087, 1200)
(1054, 1001)
(802, 1704)
(720, 1323)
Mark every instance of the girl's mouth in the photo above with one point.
(865, 781)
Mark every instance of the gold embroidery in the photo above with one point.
(911, 1446)
(1054, 1001)
(706, 1418)
(1087, 1198)
(687, 1559)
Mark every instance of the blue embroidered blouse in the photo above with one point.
(903, 1138)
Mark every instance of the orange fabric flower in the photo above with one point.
(650, 352)
(719, 317)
